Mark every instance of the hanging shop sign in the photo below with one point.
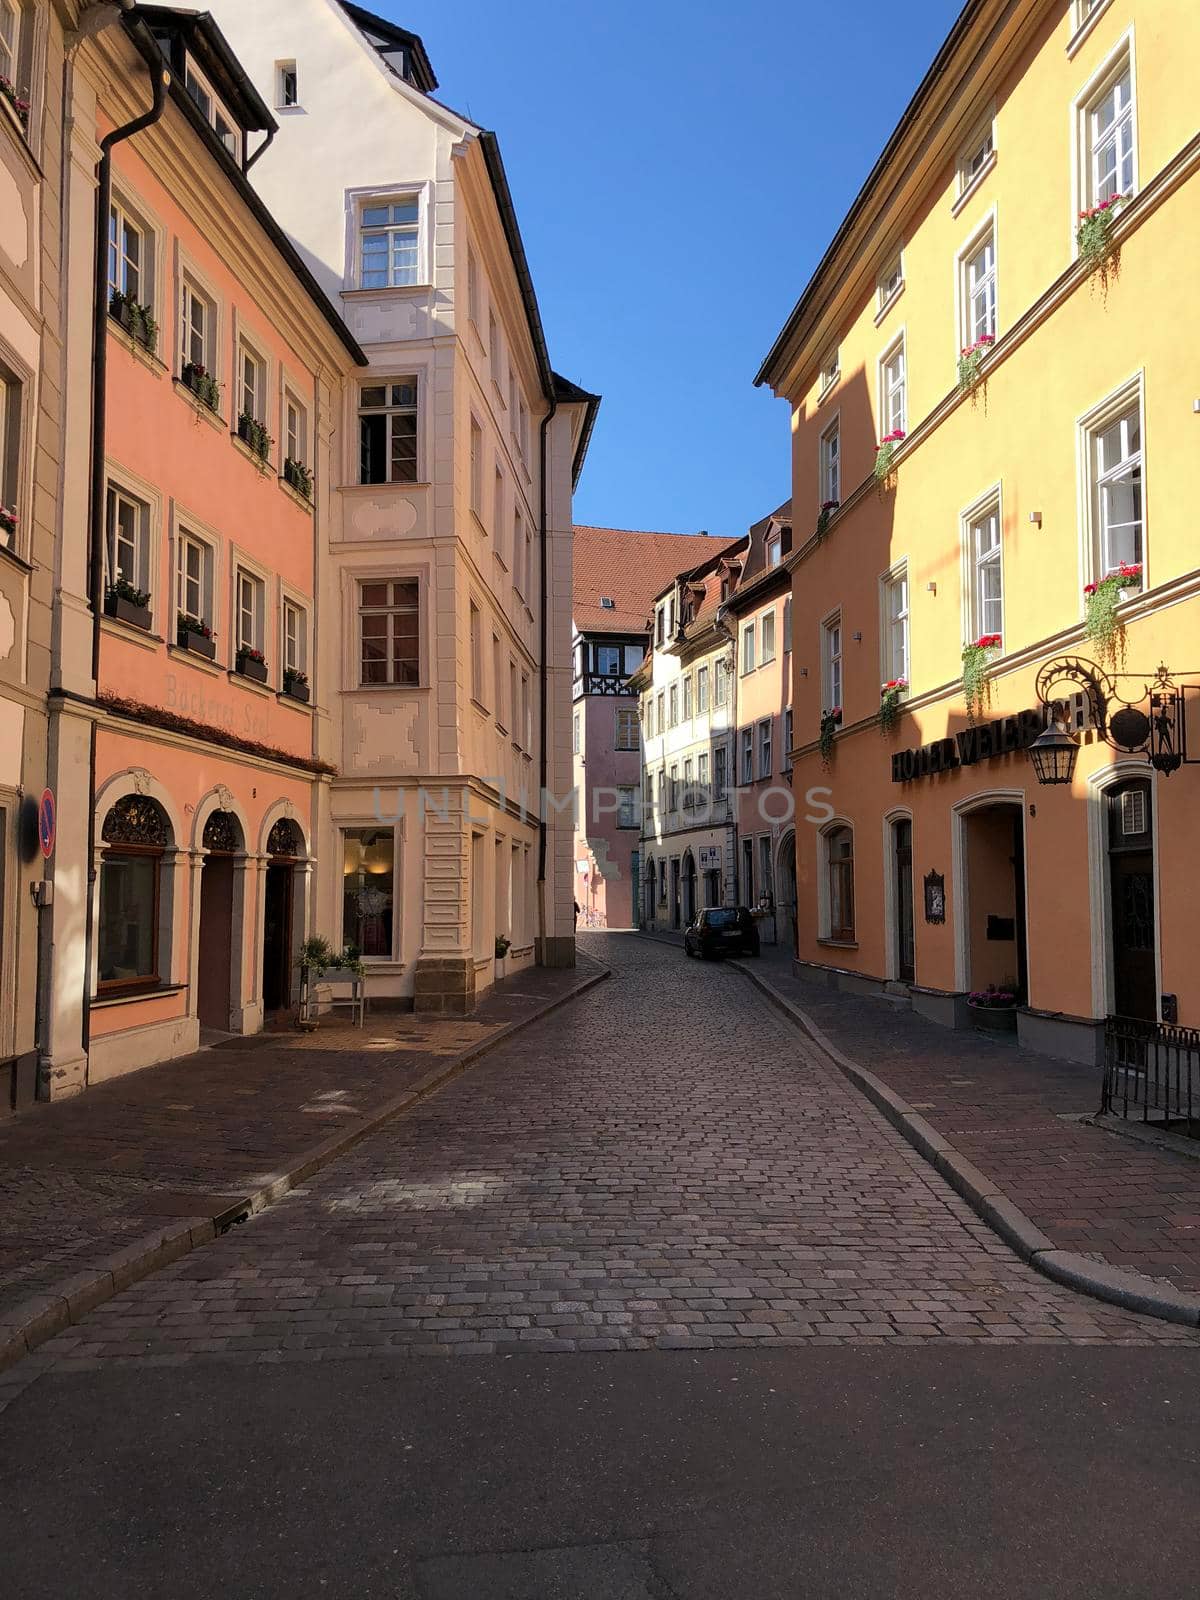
(981, 742)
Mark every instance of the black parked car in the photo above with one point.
(723, 930)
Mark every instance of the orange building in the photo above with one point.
(994, 402)
(188, 729)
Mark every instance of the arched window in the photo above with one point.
(135, 834)
(223, 833)
(839, 845)
(285, 839)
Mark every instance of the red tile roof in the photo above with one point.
(630, 567)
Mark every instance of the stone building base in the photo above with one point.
(444, 986)
(558, 951)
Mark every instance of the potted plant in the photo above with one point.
(1100, 621)
(298, 477)
(127, 603)
(885, 452)
(970, 360)
(831, 721)
(828, 507)
(194, 634)
(202, 384)
(295, 684)
(319, 962)
(976, 658)
(8, 91)
(8, 523)
(137, 319)
(890, 696)
(994, 1009)
(254, 435)
(251, 663)
(503, 946)
(1094, 237)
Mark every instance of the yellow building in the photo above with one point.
(1035, 358)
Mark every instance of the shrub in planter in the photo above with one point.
(995, 1009)
(193, 633)
(298, 477)
(252, 433)
(8, 90)
(976, 658)
(831, 721)
(827, 510)
(891, 694)
(128, 603)
(137, 319)
(323, 963)
(885, 452)
(1100, 621)
(252, 663)
(202, 384)
(295, 684)
(1094, 237)
(970, 360)
(503, 946)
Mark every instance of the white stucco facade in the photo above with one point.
(442, 769)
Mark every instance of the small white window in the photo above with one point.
(985, 561)
(389, 233)
(831, 463)
(287, 85)
(893, 390)
(768, 637)
(387, 431)
(198, 332)
(976, 157)
(830, 370)
(1116, 465)
(831, 663)
(891, 281)
(748, 648)
(250, 609)
(979, 289)
(389, 631)
(252, 384)
(1133, 811)
(1111, 138)
(127, 542)
(295, 431)
(214, 113)
(895, 617)
(774, 550)
(295, 640)
(9, 39)
(194, 578)
(130, 256)
(476, 469)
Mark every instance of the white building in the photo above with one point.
(686, 690)
(447, 593)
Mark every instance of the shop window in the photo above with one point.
(839, 848)
(135, 835)
(368, 890)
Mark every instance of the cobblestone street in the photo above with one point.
(622, 1176)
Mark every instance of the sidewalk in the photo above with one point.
(1010, 1113)
(100, 1190)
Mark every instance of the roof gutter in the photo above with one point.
(490, 146)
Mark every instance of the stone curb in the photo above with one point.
(31, 1322)
(1095, 1278)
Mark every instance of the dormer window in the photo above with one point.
(607, 602)
(775, 550)
(213, 112)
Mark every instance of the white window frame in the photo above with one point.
(258, 385)
(746, 755)
(966, 181)
(893, 662)
(142, 576)
(1129, 397)
(189, 540)
(386, 576)
(889, 284)
(194, 294)
(386, 382)
(10, 42)
(132, 217)
(775, 550)
(701, 691)
(298, 443)
(1122, 58)
(217, 111)
(892, 377)
(248, 582)
(293, 640)
(285, 71)
(476, 469)
(392, 230)
(747, 652)
(766, 746)
(1083, 19)
(975, 621)
(833, 661)
(986, 231)
(766, 637)
(13, 391)
(831, 371)
(829, 460)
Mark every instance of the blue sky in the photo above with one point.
(678, 170)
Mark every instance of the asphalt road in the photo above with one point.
(647, 1305)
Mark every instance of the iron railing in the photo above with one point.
(1152, 1072)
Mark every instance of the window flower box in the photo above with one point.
(254, 435)
(976, 659)
(137, 320)
(194, 634)
(1094, 238)
(994, 1010)
(827, 509)
(831, 721)
(295, 684)
(970, 359)
(885, 452)
(1101, 599)
(127, 604)
(8, 525)
(298, 477)
(891, 694)
(252, 664)
(8, 91)
(342, 975)
(202, 384)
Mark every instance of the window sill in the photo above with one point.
(129, 630)
(391, 291)
(374, 488)
(358, 689)
(500, 400)
(1085, 28)
(890, 301)
(295, 495)
(500, 561)
(17, 561)
(151, 991)
(147, 357)
(480, 707)
(501, 730)
(827, 389)
(838, 944)
(287, 699)
(201, 663)
(261, 464)
(976, 182)
(250, 683)
(20, 134)
(203, 411)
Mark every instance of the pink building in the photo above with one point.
(617, 573)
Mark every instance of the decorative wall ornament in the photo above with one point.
(223, 833)
(133, 820)
(141, 780)
(935, 897)
(284, 839)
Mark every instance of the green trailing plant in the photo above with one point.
(122, 589)
(976, 659)
(293, 678)
(253, 434)
(970, 360)
(831, 721)
(202, 384)
(891, 696)
(1094, 237)
(1101, 623)
(299, 477)
(137, 318)
(826, 515)
(885, 452)
(503, 946)
(186, 623)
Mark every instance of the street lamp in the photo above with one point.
(1054, 754)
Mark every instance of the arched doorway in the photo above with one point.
(1132, 921)
(904, 955)
(786, 879)
(689, 888)
(990, 894)
(285, 855)
(220, 947)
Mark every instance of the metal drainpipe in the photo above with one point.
(261, 151)
(161, 80)
(543, 670)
